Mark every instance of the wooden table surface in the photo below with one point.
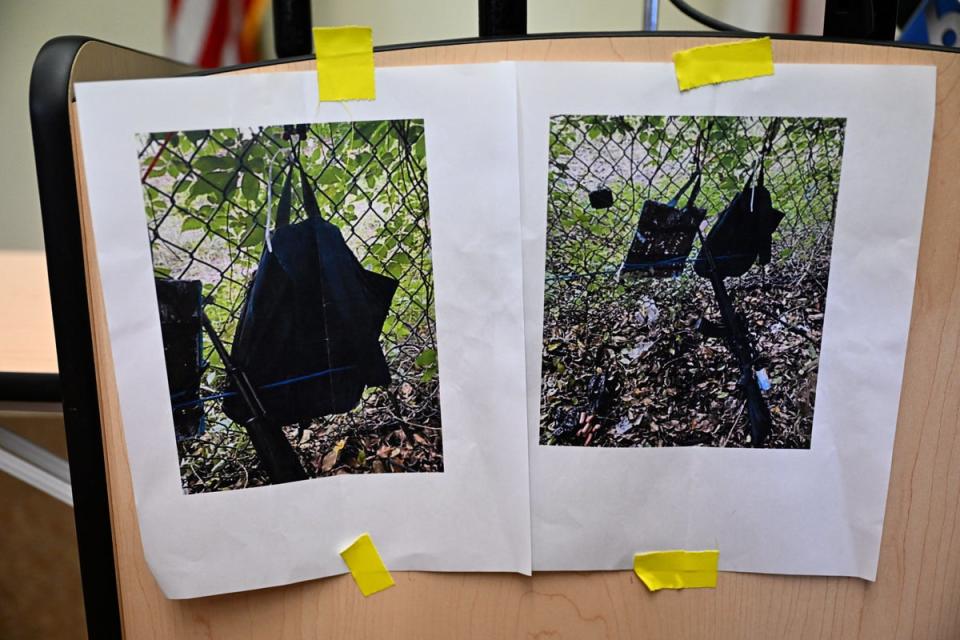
(26, 325)
(917, 592)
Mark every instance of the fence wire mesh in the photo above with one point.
(650, 158)
(210, 196)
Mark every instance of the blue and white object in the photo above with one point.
(935, 22)
(763, 380)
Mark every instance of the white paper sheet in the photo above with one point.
(816, 511)
(474, 516)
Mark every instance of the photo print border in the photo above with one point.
(284, 256)
(687, 267)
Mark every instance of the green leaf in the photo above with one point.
(426, 358)
(420, 148)
(214, 163)
(250, 186)
(202, 187)
(333, 175)
(190, 224)
(222, 181)
(254, 238)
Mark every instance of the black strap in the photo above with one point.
(699, 151)
(757, 171)
(767, 147)
(694, 180)
(309, 198)
(676, 199)
(695, 192)
(286, 197)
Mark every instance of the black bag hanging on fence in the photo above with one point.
(308, 337)
(743, 233)
(601, 198)
(665, 233)
(180, 303)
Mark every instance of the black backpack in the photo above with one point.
(308, 338)
(743, 233)
(664, 235)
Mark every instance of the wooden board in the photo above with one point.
(26, 324)
(917, 593)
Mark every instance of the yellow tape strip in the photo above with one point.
(344, 63)
(366, 566)
(723, 62)
(677, 569)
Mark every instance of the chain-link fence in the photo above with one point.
(650, 158)
(210, 197)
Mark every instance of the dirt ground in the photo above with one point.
(633, 371)
(394, 430)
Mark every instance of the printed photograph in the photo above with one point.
(687, 265)
(294, 282)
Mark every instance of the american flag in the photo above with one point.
(215, 33)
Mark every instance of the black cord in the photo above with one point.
(704, 19)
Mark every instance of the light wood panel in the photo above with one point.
(26, 323)
(917, 593)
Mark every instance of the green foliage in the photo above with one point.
(208, 194)
(649, 157)
(427, 361)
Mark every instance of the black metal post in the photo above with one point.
(503, 18)
(279, 459)
(291, 28)
(860, 19)
(738, 340)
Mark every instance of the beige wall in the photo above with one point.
(396, 21)
(26, 24)
(546, 16)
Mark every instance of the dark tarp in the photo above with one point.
(743, 233)
(309, 331)
(180, 303)
(664, 235)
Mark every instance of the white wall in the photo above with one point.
(26, 24)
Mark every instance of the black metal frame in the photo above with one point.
(866, 19)
(500, 18)
(704, 19)
(29, 387)
(50, 122)
(291, 28)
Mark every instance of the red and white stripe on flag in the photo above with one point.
(214, 33)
